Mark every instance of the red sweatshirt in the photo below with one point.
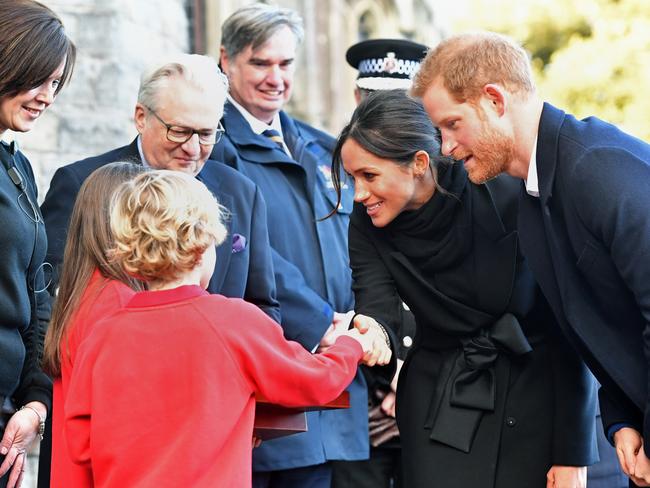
(162, 394)
(101, 298)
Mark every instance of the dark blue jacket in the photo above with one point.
(24, 305)
(245, 273)
(311, 270)
(587, 240)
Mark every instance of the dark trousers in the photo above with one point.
(318, 476)
(382, 470)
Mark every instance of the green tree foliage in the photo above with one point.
(591, 57)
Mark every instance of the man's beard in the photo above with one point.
(493, 153)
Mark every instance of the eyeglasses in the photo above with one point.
(180, 135)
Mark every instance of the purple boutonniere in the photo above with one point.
(238, 243)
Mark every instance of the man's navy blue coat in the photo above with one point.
(245, 273)
(587, 241)
(312, 270)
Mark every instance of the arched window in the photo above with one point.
(367, 26)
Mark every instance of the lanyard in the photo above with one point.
(10, 166)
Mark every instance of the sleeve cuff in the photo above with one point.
(614, 428)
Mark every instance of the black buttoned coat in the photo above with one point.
(497, 398)
(587, 238)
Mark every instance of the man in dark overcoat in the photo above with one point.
(584, 219)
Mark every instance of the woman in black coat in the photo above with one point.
(36, 58)
(490, 395)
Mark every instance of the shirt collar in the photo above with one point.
(532, 182)
(145, 163)
(257, 126)
(165, 297)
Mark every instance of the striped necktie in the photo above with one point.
(275, 136)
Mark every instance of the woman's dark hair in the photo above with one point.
(393, 126)
(33, 44)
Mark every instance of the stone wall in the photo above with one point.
(115, 40)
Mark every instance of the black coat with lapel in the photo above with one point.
(587, 239)
(543, 398)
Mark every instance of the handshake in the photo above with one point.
(366, 331)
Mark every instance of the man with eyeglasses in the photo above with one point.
(178, 104)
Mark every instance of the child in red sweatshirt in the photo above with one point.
(163, 394)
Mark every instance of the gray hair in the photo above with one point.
(200, 71)
(255, 24)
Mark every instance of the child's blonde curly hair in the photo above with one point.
(162, 223)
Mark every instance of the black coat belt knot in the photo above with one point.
(469, 387)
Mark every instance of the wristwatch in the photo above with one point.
(41, 420)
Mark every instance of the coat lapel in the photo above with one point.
(298, 144)
(534, 246)
(547, 149)
(537, 235)
(251, 146)
(131, 153)
(224, 251)
(493, 246)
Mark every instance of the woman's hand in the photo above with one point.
(373, 340)
(19, 434)
(567, 477)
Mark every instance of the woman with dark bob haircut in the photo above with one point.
(36, 59)
(490, 396)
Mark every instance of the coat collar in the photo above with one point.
(165, 297)
(547, 149)
(130, 153)
(496, 253)
(495, 249)
(256, 147)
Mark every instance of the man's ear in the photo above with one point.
(139, 117)
(224, 61)
(357, 95)
(495, 96)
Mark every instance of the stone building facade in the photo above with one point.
(116, 39)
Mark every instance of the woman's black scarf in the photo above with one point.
(439, 234)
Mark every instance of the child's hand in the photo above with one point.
(374, 342)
